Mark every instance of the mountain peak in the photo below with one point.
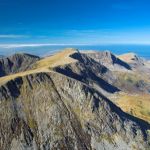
(16, 63)
(109, 60)
(128, 57)
(133, 59)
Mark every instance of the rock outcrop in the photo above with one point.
(109, 60)
(52, 111)
(16, 63)
(89, 71)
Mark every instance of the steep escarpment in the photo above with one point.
(136, 80)
(109, 60)
(53, 111)
(130, 71)
(89, 71)
(16, 63)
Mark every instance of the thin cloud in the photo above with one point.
(13, 36)
(34, 45)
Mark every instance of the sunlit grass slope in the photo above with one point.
(58, 59)
(45, 64)
(135, 104)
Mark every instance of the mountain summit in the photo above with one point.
(16, 63)
(109, 60)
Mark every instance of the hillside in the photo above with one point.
(16, 63)
(130, 58)
(49, 110)
(60, 58)
(89, 71)
(109, 60)
(41, 65)
(72, 63)
(134, 104)
(136, 62)
(70, 101)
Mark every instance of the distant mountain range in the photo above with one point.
(75, 100)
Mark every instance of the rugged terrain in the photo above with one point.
(109, 60)
(16, 63)
(71, 101)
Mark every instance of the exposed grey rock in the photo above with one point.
(16, 63)
(53, 111)
(90, 72)
(109, 60)
(129, 64)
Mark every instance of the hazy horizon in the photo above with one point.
(44, 50)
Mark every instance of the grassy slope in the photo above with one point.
(135, 104)
(129, 80)
(58, 59)
(127, 57)
(44, 65)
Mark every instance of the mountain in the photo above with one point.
(89, 71)
(52, 111)
(109, 60)
(123, 69)
(138, 78)
(16, 63)
(55, 105)
(134, 60)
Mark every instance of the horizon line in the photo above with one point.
(64, 44)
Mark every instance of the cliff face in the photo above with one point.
(52, 111)
(129, 72)
(63, 107)
(16, 63)
(90, 72)
(109, 60)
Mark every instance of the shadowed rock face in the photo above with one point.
(52, 111)
(16, 63)
(109, 60)
(90, 72)
(130, 71)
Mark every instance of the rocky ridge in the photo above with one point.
(60, 109)
(109, 60)
(16, 63)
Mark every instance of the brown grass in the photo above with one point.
(44, 65)
(127, 57)
(136, 105)
(58, 59)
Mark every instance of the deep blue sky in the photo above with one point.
(74, 21)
